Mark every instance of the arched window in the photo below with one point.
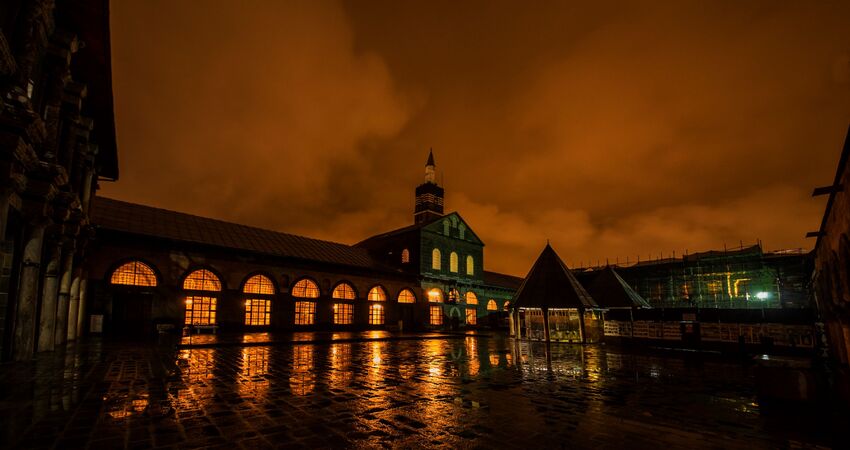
(259, 284)
(435, 259)
(471, 298)
(405, 256)
(134, 273)
(258, 305)
(453, 262)
(377, 294)
(305, 311)
(507, 306)
(376, 314)
(435, 295)
(202, 280)
(201, 304)
(344, 291)
(406, 296)
(454, 295)
(446, 227)
(491, 305)
(343, 312)
(470, 265)
(435, 315)
(305, 289)
(461, 230)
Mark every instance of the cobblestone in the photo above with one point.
(473, 392)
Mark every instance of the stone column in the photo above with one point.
(64, 298)
(81, 314)
(47, 322)
(25, 314)
(74, 308)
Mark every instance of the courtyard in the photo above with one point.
(381, 390)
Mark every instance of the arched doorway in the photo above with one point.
(132, 286)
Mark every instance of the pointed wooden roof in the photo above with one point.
(609, 290)
(551, 284)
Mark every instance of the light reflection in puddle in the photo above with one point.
(302, 380)
(255, 367)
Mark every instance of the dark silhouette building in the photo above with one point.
(57, 138)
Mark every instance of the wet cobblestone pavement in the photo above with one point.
(471, 392)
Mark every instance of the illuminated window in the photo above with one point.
(507, 306)
(376, 314)
(470, 265)
(436, 315)
(471, 298)
(406, 296)
(714, 287)
(453, 262)
(202, 280)
(405, 256)
(305, 289)
(200, 310)
(343, 291)
(257, 312)
(305, 313)
(259, 284)
(435, 259)
(435, 295)
(471, 316)
(491, 305)
(343, 313)
(134, 273)
(454, 295)
(377, 294)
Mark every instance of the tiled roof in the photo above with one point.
(502, 280)
(162, 223)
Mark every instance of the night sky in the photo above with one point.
(614, 131)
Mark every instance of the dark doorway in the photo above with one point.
(407, 317)
(131, 315)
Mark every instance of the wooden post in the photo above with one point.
(581, 326)
(546, 324)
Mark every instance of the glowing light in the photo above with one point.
(762, 295)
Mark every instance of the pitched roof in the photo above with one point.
(430, 158)
(551, 284)
(502, 280)
(609, 290)
(161, 223)
(415, 227)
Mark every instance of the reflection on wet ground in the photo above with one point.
(467, 392)
(319, 337)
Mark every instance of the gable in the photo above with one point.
(456, 228)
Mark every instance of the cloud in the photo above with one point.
(246, 110)
(613, 130)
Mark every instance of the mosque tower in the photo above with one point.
(429, 196)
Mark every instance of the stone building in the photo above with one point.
(152, 268)
(57, 138)
(832, 265)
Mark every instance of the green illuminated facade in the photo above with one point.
(742, 278)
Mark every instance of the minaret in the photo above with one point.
(429, 196)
